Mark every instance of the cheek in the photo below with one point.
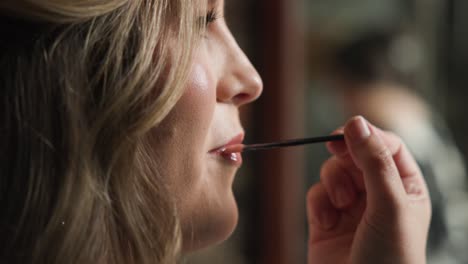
(199, 80)
(199, 97)
(183, 134)
(206, 206)
(191, 121)
(199, 101)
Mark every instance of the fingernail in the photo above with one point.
(328, 219)
(358, 129)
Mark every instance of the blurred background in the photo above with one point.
(399, 63)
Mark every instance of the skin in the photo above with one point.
(207, 116)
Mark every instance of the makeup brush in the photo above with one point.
(286, 143)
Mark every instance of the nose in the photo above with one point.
(240, 83)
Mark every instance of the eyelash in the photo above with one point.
(211, 17)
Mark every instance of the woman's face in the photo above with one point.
(206, 118)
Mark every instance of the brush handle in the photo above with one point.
(292, 142)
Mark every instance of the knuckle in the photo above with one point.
(382, 160)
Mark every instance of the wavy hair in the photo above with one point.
(82, 83)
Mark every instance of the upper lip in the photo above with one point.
(234, 141)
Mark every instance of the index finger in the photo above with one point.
(405, 162)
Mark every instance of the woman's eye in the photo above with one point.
(211, 16)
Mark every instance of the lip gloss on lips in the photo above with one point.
(231, 152)
(234, 158)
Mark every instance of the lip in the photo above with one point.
(231, 158)
(234, 141)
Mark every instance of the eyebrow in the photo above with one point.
(212, 2)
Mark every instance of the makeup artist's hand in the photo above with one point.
(371, 205)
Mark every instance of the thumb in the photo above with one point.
(371, 155)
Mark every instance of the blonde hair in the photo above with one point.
(82, 83)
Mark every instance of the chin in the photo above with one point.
(210, 228)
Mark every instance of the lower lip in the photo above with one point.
(232, 158)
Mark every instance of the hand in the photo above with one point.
(371, 205)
